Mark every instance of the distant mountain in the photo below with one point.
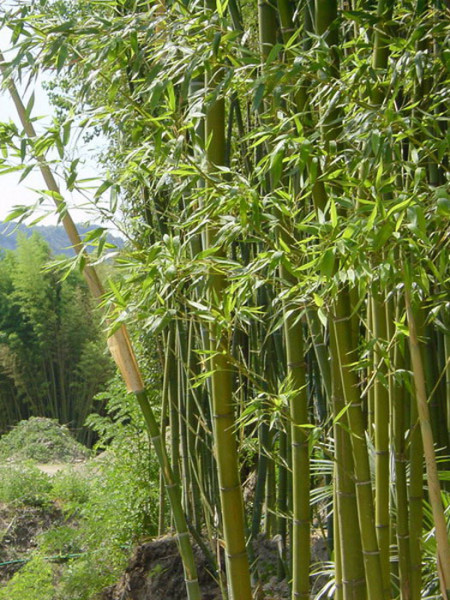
(54, 235)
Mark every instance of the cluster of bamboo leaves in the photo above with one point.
(281, 169)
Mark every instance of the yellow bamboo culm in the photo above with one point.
(119, 345)
(434, 489)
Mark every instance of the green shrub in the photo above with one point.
(42, 440)
(34, 581)
(60, 541)
(24, 484)
(71, 489)
(84, 578)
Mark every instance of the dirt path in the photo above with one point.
(53, 468)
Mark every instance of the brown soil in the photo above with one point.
(155, 572)
(19, 529)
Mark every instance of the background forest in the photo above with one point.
(52, 358)
(280, 170)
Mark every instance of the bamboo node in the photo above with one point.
(354, 582)
(230, 488)
(400, 459)
(363, 482)
(299, 363)
(183, 534)
(236, 555)
(381, 526)
(301, 522)
(381, 452)
(340, 319)
(169, 486)
(371, 552)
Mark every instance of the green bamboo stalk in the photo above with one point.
(286, 13)
(447, 371)
(339, 592)
(433, 367)
(122, 353)
(381, 401)
(370, 371)
(271, 496)
(415, 499)
(193, 421)
(238, 571)
(174, 493)
(296, 375)
(164, 418)
(348, 544)
(381, 45)
(341, 329)
(434, 491)
(298, 408)
(267, 21)
(282, 505)
(172, 392)
(399, 398)
(320, 350)
(263, 362)
(258, 500)
(182, 404)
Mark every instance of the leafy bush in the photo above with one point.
(59, 541)
(24, 485)
(123, 503)
(71, 489)
(43, 440)
(84, 578)
(34, 581)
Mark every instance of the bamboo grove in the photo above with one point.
(282, 174)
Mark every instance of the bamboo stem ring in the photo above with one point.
(299, 363)
(354, 582)
(230, 489)
(237, 555)
(301, 522)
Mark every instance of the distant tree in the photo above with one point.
(52, 361)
